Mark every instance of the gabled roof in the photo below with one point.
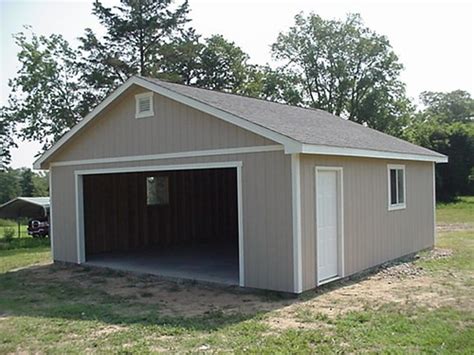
(300, 130)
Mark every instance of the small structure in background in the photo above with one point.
(36, 209)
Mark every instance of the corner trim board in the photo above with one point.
(51, 226)
(79, 196)
(434, 203)
(297, 235)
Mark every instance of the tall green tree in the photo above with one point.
(41, 184)
(6, 140)
(273, 85)
(136, 30)
(57, 85)
(26, 183)
(345, 68)
(448, 107)
(214, 63)
(9, 185)
(22, 182)
(180, 60)
(445, 124)
(47, 95)
(224, 65)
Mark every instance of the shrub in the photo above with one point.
(7, 223)
(8, 233)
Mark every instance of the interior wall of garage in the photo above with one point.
(372, 233)
(201, 209)
(266, 208)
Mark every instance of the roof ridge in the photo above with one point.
(238, 95)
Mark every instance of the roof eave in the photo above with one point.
(368, 153)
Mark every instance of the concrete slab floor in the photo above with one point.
(219, 264)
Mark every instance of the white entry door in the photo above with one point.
(327, 223)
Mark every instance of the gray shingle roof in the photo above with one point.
(308, 126)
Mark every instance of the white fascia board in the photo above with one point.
(367, 153)
(186, 100)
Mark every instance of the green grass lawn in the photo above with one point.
(461, 211)
(63, 309)
(20, 252)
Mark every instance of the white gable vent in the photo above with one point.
(144, 105)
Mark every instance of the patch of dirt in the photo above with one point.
(173, 299)
(291, 321)
(187, 299)
(106, 330)
(453, 227)
(394, 282)
(438, 253)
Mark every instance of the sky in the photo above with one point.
(433, 39)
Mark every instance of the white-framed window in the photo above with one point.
(144, 105)
(396, 187)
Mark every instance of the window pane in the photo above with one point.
(157, 190)
(393, 186)
(162, 190)
(401, 187)
(151, 198)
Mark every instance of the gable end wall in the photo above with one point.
(175, 127)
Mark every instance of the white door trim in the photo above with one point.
(79, 174)
(340, 171)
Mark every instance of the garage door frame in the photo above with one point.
(79, 196)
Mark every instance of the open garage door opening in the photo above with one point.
(173, 223)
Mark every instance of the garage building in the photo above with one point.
(197, 184)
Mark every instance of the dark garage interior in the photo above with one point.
(179, 224)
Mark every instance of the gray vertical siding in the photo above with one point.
(174, 128)
(372, 234)
(266, 177)
(267, 216)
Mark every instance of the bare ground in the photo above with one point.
(401, 283)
